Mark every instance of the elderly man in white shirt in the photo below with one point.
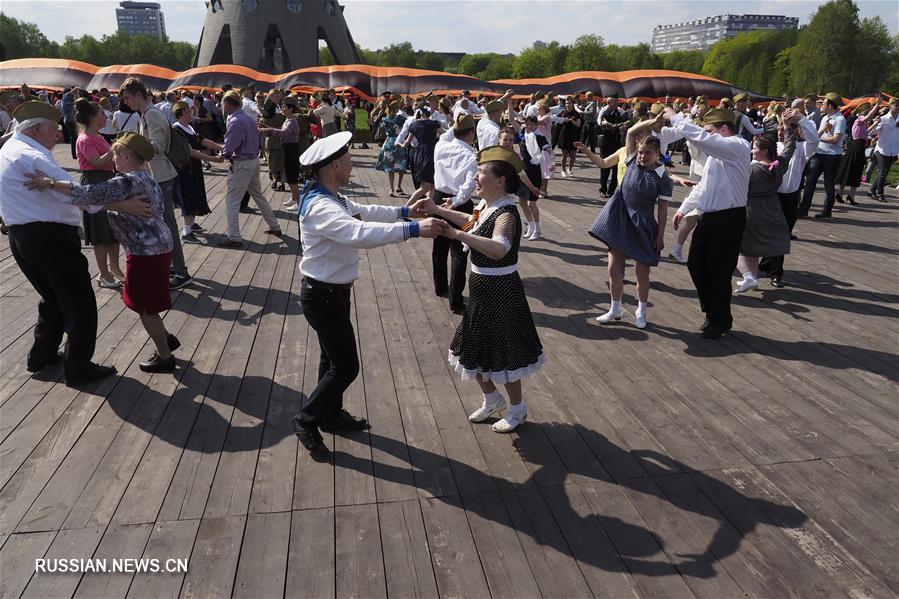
(488, 127)
(44, 240)
(455, 178)
(333, 229)
(720, 199)
(887, 147)
(832, 132)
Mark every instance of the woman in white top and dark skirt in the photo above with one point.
(496, 342)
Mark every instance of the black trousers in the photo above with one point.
(327, 309)
(444, 247)
(826, 164)
(71, 129)
(588, 136)
(50, 257)
(713, 258)
(884, 163)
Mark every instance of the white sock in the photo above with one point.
(492, 398)
(749, 276)
(616, 305)
(677, 247)
(642, 308)
(537, 225)
(185, 230)
(517, 409)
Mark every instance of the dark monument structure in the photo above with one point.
(274, 36)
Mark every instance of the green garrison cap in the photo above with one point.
(138, 144)
(501, 154)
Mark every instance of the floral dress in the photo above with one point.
(392, 159)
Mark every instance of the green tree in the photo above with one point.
(588, 53)
(747, 60)
(24, 40)
(430, 61)
(540, 62)
(397, 55)
(473, 64)
(500, 67)
(825, 51)
(325, 58)
(626, 58)
(876, 53)
(688, 61)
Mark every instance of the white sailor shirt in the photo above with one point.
(334, 229)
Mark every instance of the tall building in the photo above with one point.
(701, 34)
(141, 18)
(274, 36)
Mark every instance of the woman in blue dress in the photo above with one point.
(391, 159)
(627, 224)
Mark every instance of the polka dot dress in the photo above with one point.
(627, 223)
(497, 337)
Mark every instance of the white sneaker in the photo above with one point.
(746, 285)
(289, 203)
(486, 410)
(535, 234)
(527, 230)
(640, 321)
(610, 316)
(513, 419)
(293, 208)
(678, 254)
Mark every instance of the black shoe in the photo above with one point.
(705, 324)
(871, 194)
(311, 440)
(157, 364)
(793, 237)
(442, 293)
(229, 243)
(802, 214)
(345, 422)
(94, 372)
(882, 199)
(839, 199)
(247, 210)
(777, 282)
(179, 281)
(458, 309)
(191, 238)
(52, 361)
(276, 232)
(713, 331)
(851, 200)
(825, 214)
(207, 166)
(197, 228)
(172, 342)
(274, 185)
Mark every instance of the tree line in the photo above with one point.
(836, 51)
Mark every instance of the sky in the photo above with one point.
(484, 26)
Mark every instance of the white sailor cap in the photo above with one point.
(326, 150)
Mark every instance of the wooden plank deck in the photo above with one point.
(655, 463)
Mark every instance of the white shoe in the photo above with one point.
(486, 410)
(289, 203)
(746, 285)
(527, 230)
(678, 254)
(640, 321)
(535, 234)
(610, 316)
(293, 208)
(511, 421)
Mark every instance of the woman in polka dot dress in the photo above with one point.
(496, 342)
(627, 224)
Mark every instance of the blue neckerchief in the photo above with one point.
(311, 192)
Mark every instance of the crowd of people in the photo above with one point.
(478, 166)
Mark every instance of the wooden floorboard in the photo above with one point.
(654, 463)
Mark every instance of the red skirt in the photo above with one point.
(147, 283)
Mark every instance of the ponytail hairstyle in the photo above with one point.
(767, 146)
(85, 110)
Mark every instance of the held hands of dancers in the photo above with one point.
(135, 205)
(432, 227)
